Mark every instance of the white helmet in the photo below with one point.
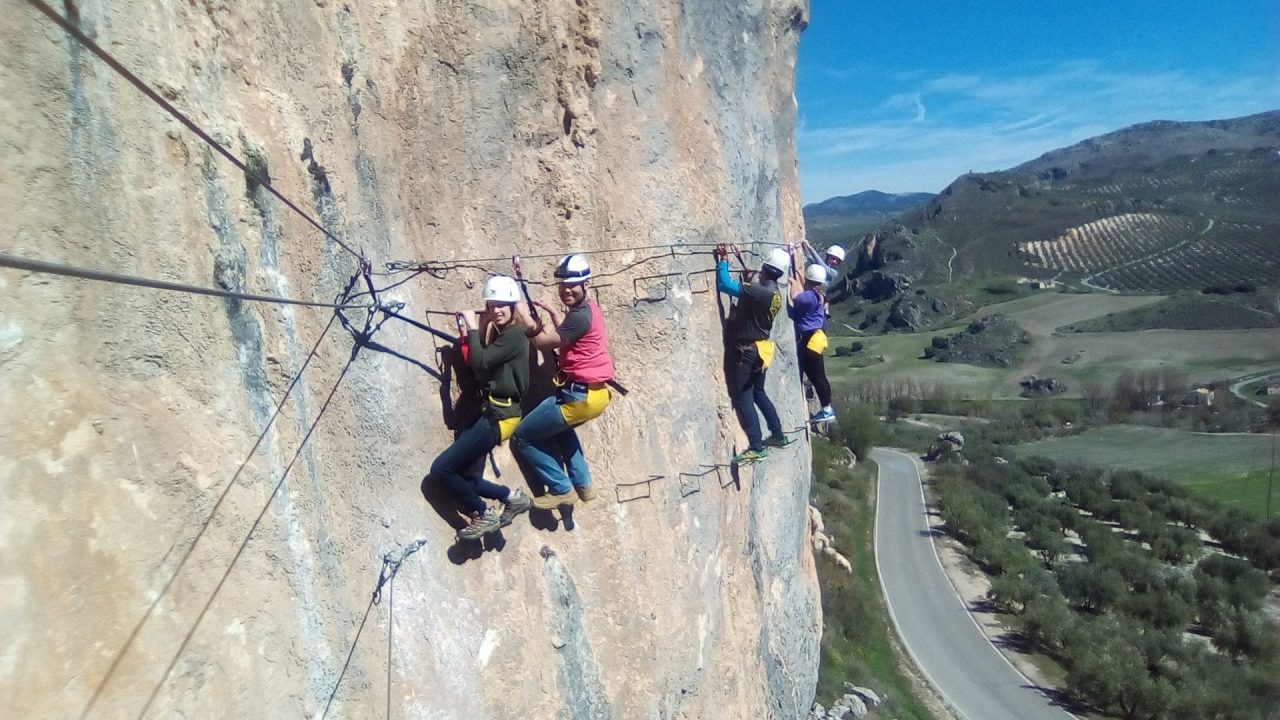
(573, 270)
(816, 273)
(779, 260)
(501, 289)
(836, 252)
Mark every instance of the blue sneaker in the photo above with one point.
(826, 414)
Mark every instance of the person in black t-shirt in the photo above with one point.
(750, 349)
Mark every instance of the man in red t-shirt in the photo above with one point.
(545, 437)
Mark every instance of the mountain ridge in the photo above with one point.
(1160, 206)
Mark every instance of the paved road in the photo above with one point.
(1245, 380)
(934, 624)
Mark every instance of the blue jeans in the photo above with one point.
(450, 467)
(550, 446)
(746, 391)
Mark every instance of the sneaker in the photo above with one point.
(588, 493)
(550, 501)
(517, 502)
(826, 414)
(749, 456)
(777, 441)
(480, 523)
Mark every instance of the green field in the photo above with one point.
(1202, 355)
(1229, 468)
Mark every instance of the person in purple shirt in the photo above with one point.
(808, 312)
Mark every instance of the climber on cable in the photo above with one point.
(830, 261)
(546, 438)
(808, 299)
(750, 349)
(496, 349)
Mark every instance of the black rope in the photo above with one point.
(249, 535)
(155, 97)
(391, 563)
(205, 526)
(43, 266)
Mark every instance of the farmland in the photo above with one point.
(1077, 358)
(1230, 468)
(1106, 243)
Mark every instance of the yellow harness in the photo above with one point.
(506, 426)
(817, 342)
(765, 348)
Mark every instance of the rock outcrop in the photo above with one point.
(191, 532)
(994, 341)
(822, 542)
(948, 446)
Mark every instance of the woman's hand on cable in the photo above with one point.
(721, 252)
(468, 318)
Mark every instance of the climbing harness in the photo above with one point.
(817, 342)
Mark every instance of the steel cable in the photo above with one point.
(178, 115)
(43, 266)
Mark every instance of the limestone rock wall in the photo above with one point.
(158, 558)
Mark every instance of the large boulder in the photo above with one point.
(881, 285)
(994, 341)
(946, 447)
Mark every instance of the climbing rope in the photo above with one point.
(178, 115)
(275, 491)
(50, 268)
(391, 562)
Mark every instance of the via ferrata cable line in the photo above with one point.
(74, 31)
(51, 268)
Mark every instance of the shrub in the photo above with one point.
(859, 428)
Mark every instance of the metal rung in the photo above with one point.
(632, 494)
(691, 483)
(703, 286)
(647, 297)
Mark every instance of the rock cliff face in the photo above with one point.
(158, 558)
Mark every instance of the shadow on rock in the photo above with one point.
(546, 519)
(463, 550)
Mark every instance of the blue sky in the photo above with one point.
(905, 96)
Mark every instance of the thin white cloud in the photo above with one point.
(989, 122)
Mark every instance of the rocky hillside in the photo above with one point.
(1157, 207)
(207, 501)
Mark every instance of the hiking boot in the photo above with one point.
(480, 524)
(777, 441)
(587, 493)
(749, 456)
(826, 414)
(517, 502)
(550, 501)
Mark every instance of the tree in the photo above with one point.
(1090, 587)
(859, 428)
(1048, 542)
(1047, 622)
(1245, 634)
(1013, 592)
(1108, 671)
